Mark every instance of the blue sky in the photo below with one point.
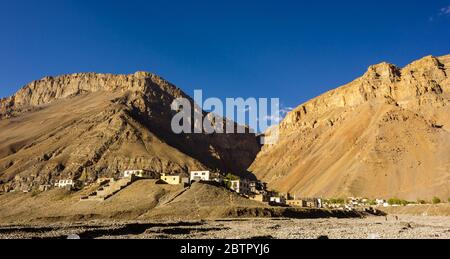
(293, 50)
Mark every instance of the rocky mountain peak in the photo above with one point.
(50, 89)
(385, 134)
(423, 82)
(383, 71)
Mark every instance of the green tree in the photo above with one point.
(337, 201)
(230, 177)
(397, 201)
(436, 200)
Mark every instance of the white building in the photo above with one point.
(72, 184)
(380, 202)
(200, 176)
(137, 173)
(277, 200)
(240, 186)
(171, 179)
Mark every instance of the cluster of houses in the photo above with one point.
(254, 190)
(352, 203)
(288, 200)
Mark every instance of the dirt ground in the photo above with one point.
(146, 201)
(391, 227)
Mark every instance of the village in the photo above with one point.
(251, 189)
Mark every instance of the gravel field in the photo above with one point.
(391, 227)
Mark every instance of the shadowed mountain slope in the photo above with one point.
(86, 126)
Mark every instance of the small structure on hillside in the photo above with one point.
(171, 179)
(382, 203)
(277, 200)
(200, 176)
(258, 187)
(240, 186)
(259, 197)
(297, 203)
(44, 187)
(103, 180)
(68, 184)
(137, 173)
(305, 203)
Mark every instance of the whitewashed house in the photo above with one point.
(67, 183)
(137, 173)
(380, 202)
(277, 200)
(171, 179)
(200, 176)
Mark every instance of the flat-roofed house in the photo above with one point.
(259, 197)
(200, 176)
(171, 179)
(278, 200)
(297, 203)
(68, 183)
(240, 186)
(305, 202)
(137, 173)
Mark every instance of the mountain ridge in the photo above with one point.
(389, 129)
(85, 126)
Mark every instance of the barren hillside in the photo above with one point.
(385, 134)
(86, 126)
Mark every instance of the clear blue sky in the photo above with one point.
(294, 50)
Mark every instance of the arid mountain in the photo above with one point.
(384, 135)
(85, 126)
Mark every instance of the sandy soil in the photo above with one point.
(146, 201)
(405, 227)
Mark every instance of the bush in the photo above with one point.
(449, 200)
(337, 201)
(421, 202)
(436, 200)
(397, 201)
(232, 177)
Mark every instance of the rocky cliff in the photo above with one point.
(85, 126)
(386, 134)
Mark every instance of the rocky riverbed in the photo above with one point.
(391, 227)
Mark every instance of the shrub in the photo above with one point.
(449, 200)
(397, 201)
(232, 177)
(337, 201)
(436, 200)
(421, 202)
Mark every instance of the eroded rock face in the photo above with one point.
(50, 89)
(386, 134)
(85, 126)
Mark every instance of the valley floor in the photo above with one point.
(390, 227)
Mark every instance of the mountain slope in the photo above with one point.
(384, 135)
(85, 126)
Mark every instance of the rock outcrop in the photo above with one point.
(85, 126)
(386, 134)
